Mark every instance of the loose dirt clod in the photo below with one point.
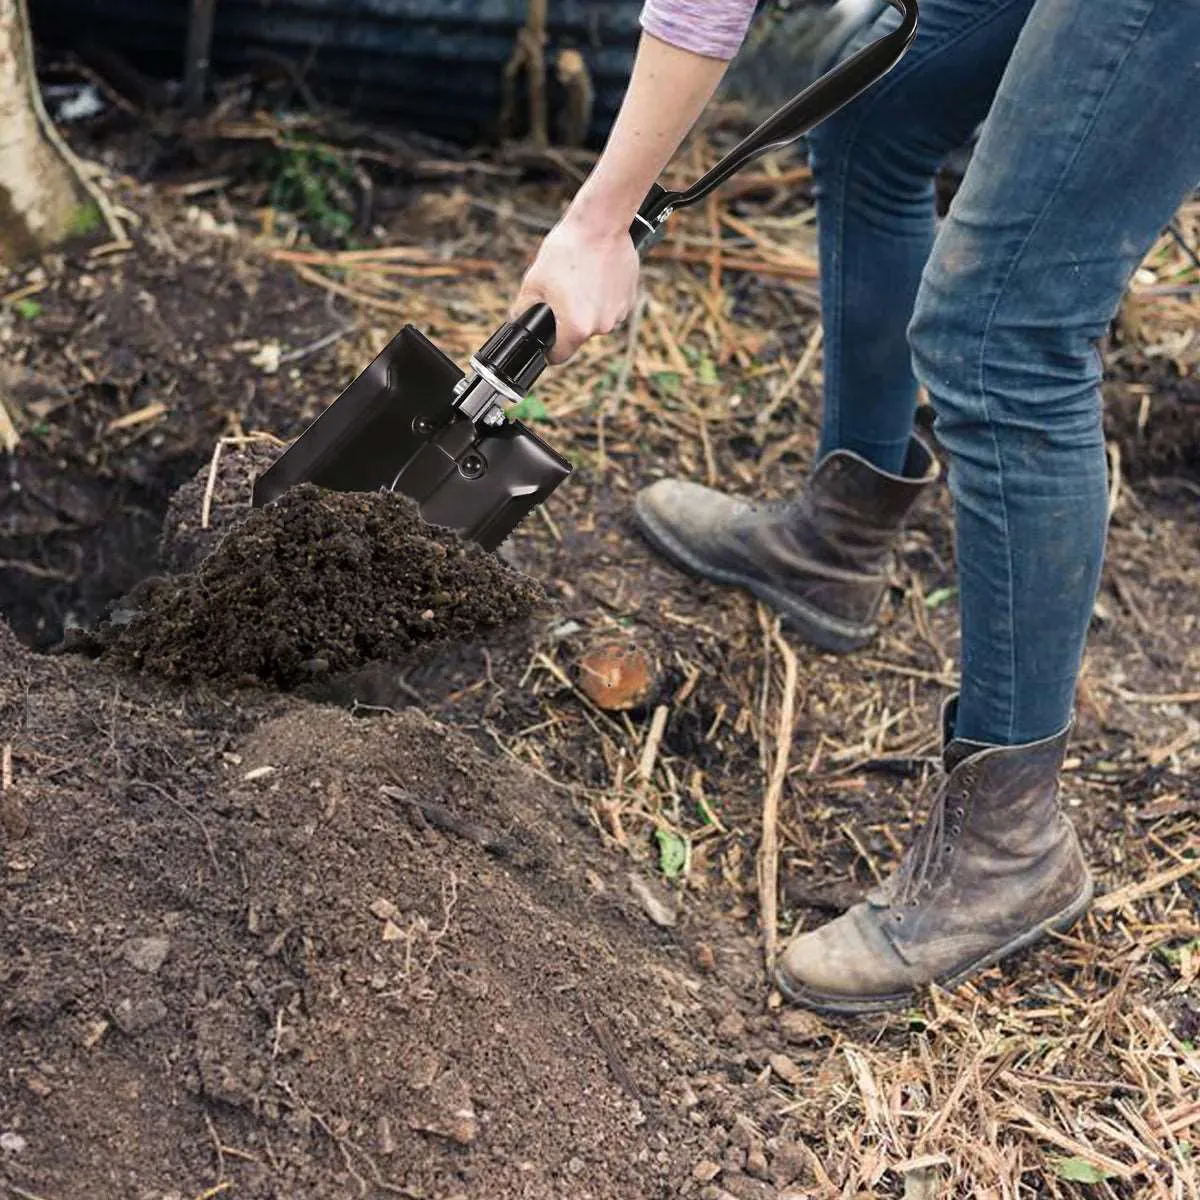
(314, 585)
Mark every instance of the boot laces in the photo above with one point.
(923, 865)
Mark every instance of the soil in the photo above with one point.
(136, 362)
(317, 583)
(288, 912)
(297, 950)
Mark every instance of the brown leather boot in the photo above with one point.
(996, 866)
(823, 560)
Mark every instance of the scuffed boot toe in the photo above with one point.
(691, 524)
(847, 966)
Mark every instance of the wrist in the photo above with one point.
(601, 211)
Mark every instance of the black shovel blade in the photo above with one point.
(396, 428)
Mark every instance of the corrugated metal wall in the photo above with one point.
(434, 65)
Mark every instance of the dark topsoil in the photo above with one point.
(315, 584)
(252, 943)
(312, 955)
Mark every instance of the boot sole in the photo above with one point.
(822, 630)
(847, 1006)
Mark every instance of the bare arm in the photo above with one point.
(667, 93)
(587, 268)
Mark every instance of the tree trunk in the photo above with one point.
(40, 198)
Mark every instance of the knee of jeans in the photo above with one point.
(988, 358)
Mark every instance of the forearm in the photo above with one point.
(667, 92)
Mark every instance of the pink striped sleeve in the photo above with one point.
(714, 28)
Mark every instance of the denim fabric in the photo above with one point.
(873, 166)
(1091, 141)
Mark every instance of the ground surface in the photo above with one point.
(442, 928)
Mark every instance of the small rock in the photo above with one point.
(742, 1187)
(734, 1160)
(146, 954)
(385, 910)
(705, 959)
(575, 1166)
(655, 906)
(391, 932)
(788, 1163)
(756, 1162)
(732, 1027)
(38, 1085)
(802, 1027)
(705, 1171)
(136, 1016)
(743, 1133)
(12, 1143)
(258, 773)
(616, 676)
(384, 1139)
(787, 1070)
(427, 615)
(94, 1032)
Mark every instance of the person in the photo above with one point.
(1088, 114)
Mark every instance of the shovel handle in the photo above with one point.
(521, 348)
(834, 90)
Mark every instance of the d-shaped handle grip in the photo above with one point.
(818, 101)
(518, 351)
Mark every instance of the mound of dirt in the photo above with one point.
(198, 516)
(271, 948)
(316, 584)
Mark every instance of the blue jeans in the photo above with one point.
(1091, 140)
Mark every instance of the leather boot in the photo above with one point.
(823, 560)
(996, 866)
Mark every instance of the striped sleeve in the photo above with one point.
(714, 28)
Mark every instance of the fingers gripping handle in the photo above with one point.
(518, 352)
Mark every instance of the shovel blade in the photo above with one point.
(396, 428)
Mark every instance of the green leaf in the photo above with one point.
(1079, 1170)
(86, 219)
(672, 853)
(28, 308)
(939, 596)
(706, 369)
(668, 381)
(530, 409)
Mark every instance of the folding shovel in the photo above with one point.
(413, 422)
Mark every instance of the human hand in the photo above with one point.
(588, 275)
